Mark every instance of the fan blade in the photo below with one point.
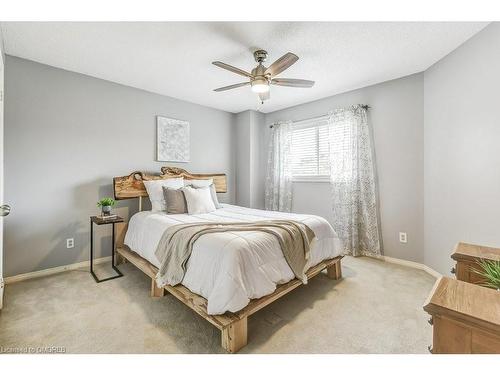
(291, 82)
(284, 62)
(230, 87)
(232, 69)
(265, 95)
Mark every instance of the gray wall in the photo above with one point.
(247, 142)
(462, 158)
(66, 136)
(242, 159)
(257, 156)
(396, 117)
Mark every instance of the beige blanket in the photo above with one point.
(176, 245)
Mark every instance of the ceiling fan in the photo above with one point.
(262, 77)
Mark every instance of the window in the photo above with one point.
(310, 151)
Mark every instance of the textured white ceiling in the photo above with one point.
(174, 59)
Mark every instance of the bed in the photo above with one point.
(226, 278)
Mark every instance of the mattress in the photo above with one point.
(226, 268)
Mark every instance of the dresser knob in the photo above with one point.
(453, 270)
(429, 348)
(430, 321)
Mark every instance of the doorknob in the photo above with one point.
(4, 210)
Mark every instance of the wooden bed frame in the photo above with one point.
(233, 326)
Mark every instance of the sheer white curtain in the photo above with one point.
(278, 193)
(352, 177)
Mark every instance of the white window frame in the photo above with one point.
(304, 124)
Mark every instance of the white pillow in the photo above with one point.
(204, 183)
(198, 183)
(199, 201)
(213, 193)
(155, 191)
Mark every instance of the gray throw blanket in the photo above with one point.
(176, 245)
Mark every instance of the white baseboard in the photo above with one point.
(431, 271)
(409, 263)
(54, 270)
(74, 266)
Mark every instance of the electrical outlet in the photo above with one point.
(403, 238)
(70, 243)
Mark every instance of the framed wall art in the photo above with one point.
(172, 140)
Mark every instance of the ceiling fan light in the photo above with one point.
(260, 85)
(260, 88)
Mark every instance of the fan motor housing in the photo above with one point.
(259, 70)
(260, 56)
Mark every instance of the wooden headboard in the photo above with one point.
(132, 186)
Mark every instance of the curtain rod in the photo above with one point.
(365, 106)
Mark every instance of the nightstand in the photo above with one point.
(99, 221)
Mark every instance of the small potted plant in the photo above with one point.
(105, 204)
(490, 271)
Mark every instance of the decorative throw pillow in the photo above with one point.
(175, 201)
(199, 183)
(205, 183)
(213, 193)
(199, 201)
(155, 191)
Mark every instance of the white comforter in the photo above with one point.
(225, 268)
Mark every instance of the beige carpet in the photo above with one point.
(375, 308)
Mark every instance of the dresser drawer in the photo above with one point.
(454, 337)
(465, 272)
(450, 337)
(484, 343)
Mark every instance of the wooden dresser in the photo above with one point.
(465, 317)
(466, 255)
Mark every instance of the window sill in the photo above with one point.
(311, 179)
